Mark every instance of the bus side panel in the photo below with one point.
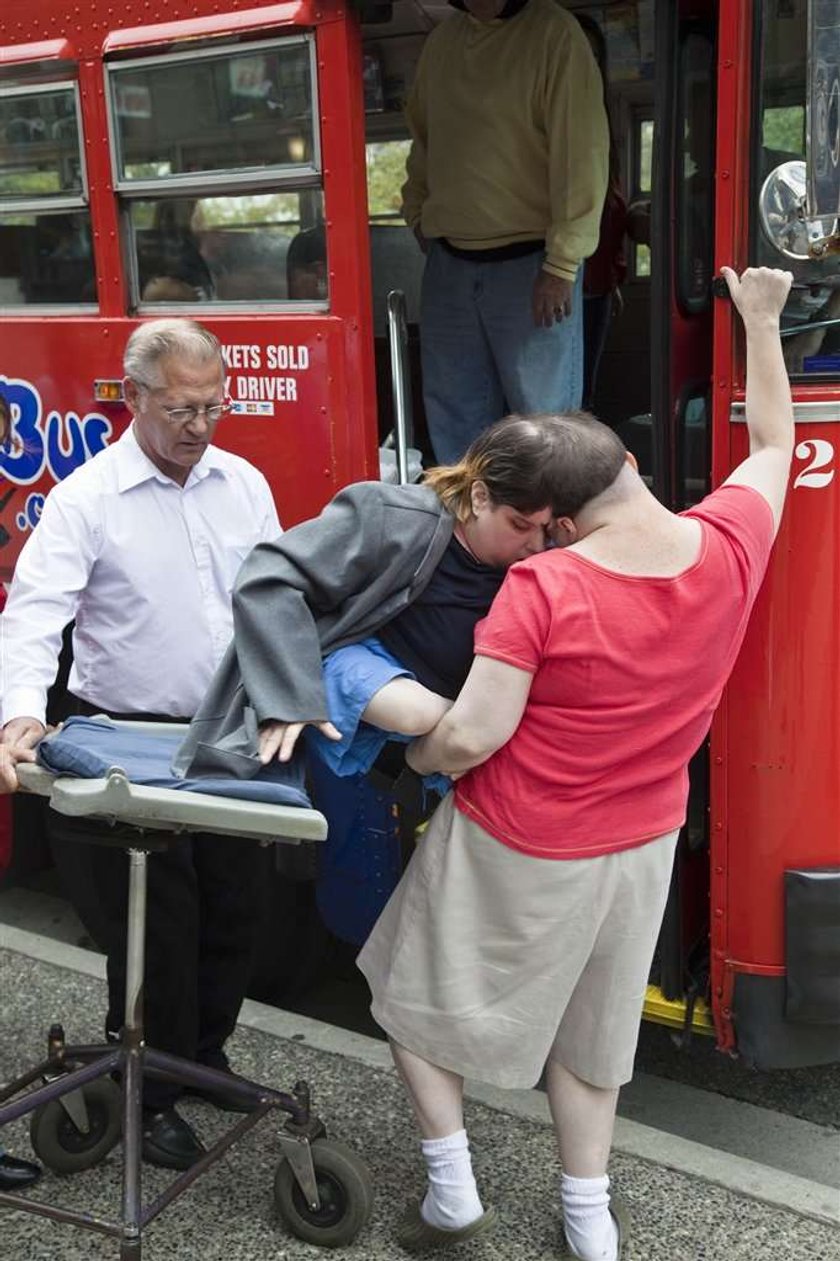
(47, 374)
(781, 736)
(353, 411)
(287, 376)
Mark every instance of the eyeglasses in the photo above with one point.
(186, 415)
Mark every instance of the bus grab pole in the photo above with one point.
(400, 381)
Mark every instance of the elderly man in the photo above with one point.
(141, 546)
(506, 182)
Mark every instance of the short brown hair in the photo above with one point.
(556, 461)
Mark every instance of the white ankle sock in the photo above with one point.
(590, 1228)
(452, 1198)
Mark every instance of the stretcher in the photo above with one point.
(322, 1189)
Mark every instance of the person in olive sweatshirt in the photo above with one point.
(507, 176)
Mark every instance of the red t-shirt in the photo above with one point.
(627, 674)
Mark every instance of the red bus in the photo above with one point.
(241, 162)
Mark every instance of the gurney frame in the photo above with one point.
(321, 1188)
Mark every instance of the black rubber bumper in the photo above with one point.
(812, 945)
(793, 1021)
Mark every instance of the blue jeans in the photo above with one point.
(482, 354)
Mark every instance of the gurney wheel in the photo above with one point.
(65, 1149)
(345, 1190)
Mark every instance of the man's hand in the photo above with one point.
(278, 739)
(10, 755)
(18, 745)
(26, 732)
(552, 299)
(421, 240)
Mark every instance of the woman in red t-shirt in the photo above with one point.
(521, 936)
(14, 1173)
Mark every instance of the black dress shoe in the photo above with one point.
(16, 1174)
(169, 1141)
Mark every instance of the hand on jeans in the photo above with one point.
(552, 299)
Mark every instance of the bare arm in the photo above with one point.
(759, 295)
(484, 717)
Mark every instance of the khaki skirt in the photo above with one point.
(488, 962)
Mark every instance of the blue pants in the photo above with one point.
(482, 354)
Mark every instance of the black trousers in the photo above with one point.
(201, 921)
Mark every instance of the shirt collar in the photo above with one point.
(510, 10)
(134, 467)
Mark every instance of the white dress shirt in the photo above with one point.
(146, 568)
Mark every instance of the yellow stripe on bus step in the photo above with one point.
(671, 1011)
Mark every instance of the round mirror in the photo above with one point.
(781, 207)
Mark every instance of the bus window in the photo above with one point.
(265, 247)
(395, 257)
(780, 87)
(641, 186)
(217, 161)
(385, 161)
(695, 182)
(46, 257)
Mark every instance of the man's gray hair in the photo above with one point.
(161, 339)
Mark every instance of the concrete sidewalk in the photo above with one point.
(228, 1214)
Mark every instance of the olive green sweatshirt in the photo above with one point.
(510, 137)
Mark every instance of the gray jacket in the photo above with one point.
(328, 582)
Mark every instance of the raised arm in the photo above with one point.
(759, 295)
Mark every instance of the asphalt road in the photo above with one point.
(721, 1209)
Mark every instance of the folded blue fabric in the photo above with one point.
(89, 747)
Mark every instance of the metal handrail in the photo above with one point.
(400, 381)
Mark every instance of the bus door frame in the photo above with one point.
(681, 332)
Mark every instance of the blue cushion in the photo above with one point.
(89, 747)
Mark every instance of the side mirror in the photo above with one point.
(783, 215)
